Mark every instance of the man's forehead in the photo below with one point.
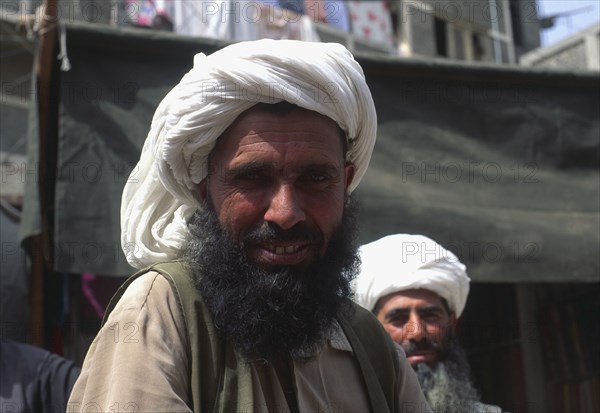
(414, 298)
(279, 122)
(265, 113)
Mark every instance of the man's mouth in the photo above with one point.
(280, 249)
(271, 246)
(421, 356)
(282, 254)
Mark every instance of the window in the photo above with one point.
(441, 46)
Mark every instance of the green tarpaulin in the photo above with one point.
(500, 164)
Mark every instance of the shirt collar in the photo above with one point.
(338, 339)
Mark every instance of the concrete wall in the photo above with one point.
(578, 52)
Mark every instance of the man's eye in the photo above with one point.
(251, 179)
(315, 178)
(250, 175)
(253, 176)
(399, 321)
(430, 317)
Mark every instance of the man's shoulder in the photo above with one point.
(137, 291)
(364, 321)
(27, 362)
(369, 332)
(361, 313)
(136, 294)
(155, 280)
(21, 359)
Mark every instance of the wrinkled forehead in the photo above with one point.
(283, 116)
(412, 298)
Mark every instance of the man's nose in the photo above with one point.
(414, 329)
(284, 208)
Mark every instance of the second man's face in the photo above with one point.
(419, 322)
(283, 170)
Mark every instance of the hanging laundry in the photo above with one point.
(371, 20)
(297, 6)
(337, 14)
(315, 9)
(205, 18)
(238, 20)
(282, 23)
(332, 12)
(157, 14)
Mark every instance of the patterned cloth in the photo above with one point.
(149, 12)
(241, 20)
(371, 20)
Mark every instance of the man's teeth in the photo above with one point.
(283, 250)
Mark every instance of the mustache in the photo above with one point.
(271, 233)
(425, 344)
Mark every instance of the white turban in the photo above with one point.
(403, 262)
(159, 196)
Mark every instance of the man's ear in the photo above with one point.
(201, 190)
(349, 170)
(453, 322)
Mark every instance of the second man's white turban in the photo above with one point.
(403, 262)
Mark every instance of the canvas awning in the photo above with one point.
(499, 164)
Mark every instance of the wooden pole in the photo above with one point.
(41, 245)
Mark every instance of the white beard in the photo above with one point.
(447, 386)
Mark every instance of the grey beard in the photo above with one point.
(447, 386)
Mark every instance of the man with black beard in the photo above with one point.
(286, 310)
(240, 219)
(417, 290)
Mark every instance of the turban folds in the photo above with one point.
(159, 197)
(402, 262)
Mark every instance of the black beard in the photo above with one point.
(270, 313)
(447, 386)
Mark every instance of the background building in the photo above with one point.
(495, 31)
(578, 52)
(491, 31)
